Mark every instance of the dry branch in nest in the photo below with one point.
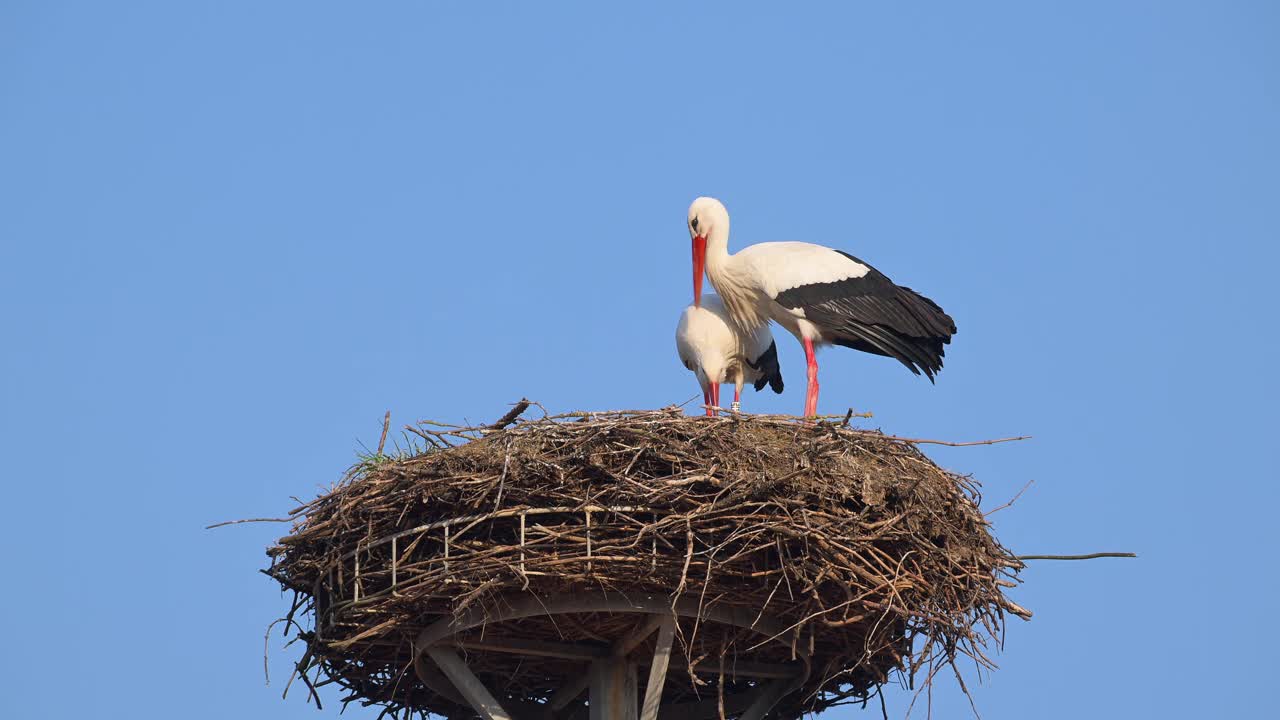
(837, 559)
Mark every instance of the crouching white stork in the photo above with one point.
(717, 352)
(822, 296)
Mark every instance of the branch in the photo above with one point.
(237, 522)
(1015, 499)
(1090, 556)
(923, 441)
(851, 414)
(511, 415)
(386, 424)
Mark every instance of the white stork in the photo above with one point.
(822, 296)
(715, 350)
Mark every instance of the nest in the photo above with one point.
(841, 559)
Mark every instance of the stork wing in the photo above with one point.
(770, 372)
(871, 314)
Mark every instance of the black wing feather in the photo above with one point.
(873, 315)
(769, 369)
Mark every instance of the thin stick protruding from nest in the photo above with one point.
(511, 415)
(971, 443)
(1012, 500)
(386, 425)
(1089, 556)
(247, 520)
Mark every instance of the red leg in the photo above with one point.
(706, 400)
(737, 396)
(811, 392)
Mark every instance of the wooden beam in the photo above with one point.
(477, 695)
(751, 705)
(624, 646)
(574, 687)
(708, 708)
(569, 691)
(747, 668)
(698, 710)
(613, 690)
(435, 681)
(658, 668)
(536, 648)
(769, 696)
(523, 605)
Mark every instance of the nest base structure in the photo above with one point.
(609, 671)
(641, 566)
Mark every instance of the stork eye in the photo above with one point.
(694, 223)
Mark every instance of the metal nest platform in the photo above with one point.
(640, 565)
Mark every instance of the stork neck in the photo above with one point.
(717, 249)
(737, 290)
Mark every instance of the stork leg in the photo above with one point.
(706, 400)
(811, 391)
(737, 398)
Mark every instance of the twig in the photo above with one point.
(1089, 556)
(386, 425)
(249, 520)
(923, 441)
(851, 415)
(511, 415)
(298, 668)
(1015, 608)
(1011, 501)
(306, 680)
(424, 436)
(266, 649)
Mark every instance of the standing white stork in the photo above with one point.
(822, 296)
(717, 352)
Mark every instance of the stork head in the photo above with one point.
(706, 215)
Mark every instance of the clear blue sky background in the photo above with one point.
(232, 234)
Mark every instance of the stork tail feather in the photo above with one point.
(769, 369)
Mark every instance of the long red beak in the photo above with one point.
(699, 264)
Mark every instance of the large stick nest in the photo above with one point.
(862, 561)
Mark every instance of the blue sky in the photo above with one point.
(234, 234)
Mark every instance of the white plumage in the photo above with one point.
(781, 266)
(820, 295)
(716, 351)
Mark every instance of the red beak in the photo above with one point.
(699, 263)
